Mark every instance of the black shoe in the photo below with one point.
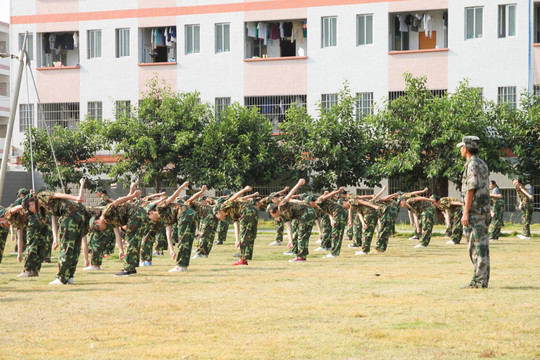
(126, 273)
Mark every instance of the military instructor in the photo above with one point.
(476, 210)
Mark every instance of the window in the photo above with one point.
(510, 199)
(29, 45)
(507, 20)
(473, 22)
(393, 95)
(3, 46)
(94, 44)
(193, 35)
(364, 29)
(122, 42)
(328, 100)
(536, 90)
(507, 95)
(58, 49)
(223, 38)
(158, 44)
(3, 88)
(123, 107)
(26, 116)
(401, 34)
(363, 192)
(95, 110)
(65, 115)
(274, 107)
(329, 32)
(364, 104)
(221, 105)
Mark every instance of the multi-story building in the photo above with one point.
(94, 57)
(4, 81)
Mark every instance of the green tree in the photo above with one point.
(335, 148)
(156, 139)
(75, 151)
(420, 131)
(237, 149)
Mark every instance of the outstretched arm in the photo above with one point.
(326, 196)
(240, 193)
(294, 189)
(196, 196)
(126, 198)
(154, 195)
(78, 198)
(390, 197)
(376, 197)
(171, 198)
(281, 192)
(422, 198)
(525, 192)
(414, 193)
(247, 197)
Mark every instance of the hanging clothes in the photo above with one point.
(287, 29)
(172, 32)
(445, 20)
(297, 32)
(304, 29)
(402, 26)
(46, 44)
(428, 25)
(76, 39)
(274, 31)
(250, 26)
(281, 31)
(158, 39)
(262, 30)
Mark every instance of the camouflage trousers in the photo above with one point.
(222, 229)
(526, 217)
(175, 234)
(387, 221)
(99, 242)
(147, 245)
(304, 228)
(3, 238)
(350, 232)
(497, 221)
(280, 227)
(187, 226)
(326, 228)
(134, 234)
(70, 233)
(370, 219)
(478, 244)
(161, 239)
(248, 232)
(427, 220)
(338, 230)
(207, 231)
(48, 244)
(36, 236)
(456, 228)
(357, 230)
(294, 226)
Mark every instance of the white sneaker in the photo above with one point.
(179, 269)
(418, 246)
(450, 242)
(414, 238)
(523, 237)
(141, 263)
(329, 256)
(275, 243)
(91, 267)
(360, 253)
(353, 246)
(320, 248)
(319, 241)
(289, 253)
(56, 282)
(71, 281)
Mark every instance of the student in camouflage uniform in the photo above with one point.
(356, 225)
(222, 230)
(475, 192)
(278, 222)
(497, 211)
(526, 206)
(425, 210)
(389, 210)
(18, 219)
(289, 209)
(47, 251)
(73, 225)
(247, 217)
(207, 227)
(367, 212)
(20, 232)
(338, 219)
(99, 241)
(185, 217)
(108, 237)
(4, 231)
(455, 211)
(36, 234)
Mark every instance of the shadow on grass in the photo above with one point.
(520, 287)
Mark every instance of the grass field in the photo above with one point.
(404, 304)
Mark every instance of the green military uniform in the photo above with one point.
(36, 249)
(98, 242)
(527, 208)
(48, 240)
(497, 222)
(425, 210)
(134, 217)
(222, 230)
(73, 219)
(4, 232)
(456, 212)
(107, 237)
(387, 217)
(340, 215)
(207, 227)
(247, 216)
(476, 177)
(185, 218)
(279, 225)
(305, 218)
(370, 219)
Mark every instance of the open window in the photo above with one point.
(158, 44)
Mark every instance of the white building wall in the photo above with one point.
(365, 67)
(489, 62)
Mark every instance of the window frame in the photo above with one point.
(193, 31)
(222, 32)
(328, 31)
(507, 95)
(122, 42)
(475, 34)
(328, 100)
(504, 24)
(94, 43)
(26, 109)
(363, 98)
(29, 45)
(365, 29)
(95, 110)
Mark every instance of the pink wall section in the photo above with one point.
(157, 21)
(270, 77)
(269, 15)
(52, 6)
(57, 84)
(433, 64)
(417, 5)
(143, 4)
(57, 27)
(167, 72)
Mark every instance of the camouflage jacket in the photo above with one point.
(290, 210)
(235, 208)
(522, 197)
(172, 213)
(445, 204)
(118, 216)
(476, 176)
(359, 208)
(329, 206)
(419, 207)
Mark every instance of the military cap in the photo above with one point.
(22, 191)
(471, 142)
